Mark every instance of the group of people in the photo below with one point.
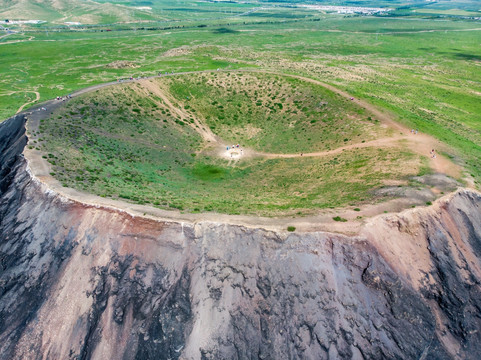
(432, 153)
(166, 73)
(63, 98)
(234, 147)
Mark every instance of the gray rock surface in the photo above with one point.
(84, 282)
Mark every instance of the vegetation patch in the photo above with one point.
(209, 172)
(271, 113)
(122, 64)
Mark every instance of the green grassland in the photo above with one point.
(117, 143)
(449, 12)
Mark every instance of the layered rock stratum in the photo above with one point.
(85, 282)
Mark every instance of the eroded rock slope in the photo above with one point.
(81, 282)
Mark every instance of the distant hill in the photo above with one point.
(468, 5)
(61, 11)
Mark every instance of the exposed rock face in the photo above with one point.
(80, 282)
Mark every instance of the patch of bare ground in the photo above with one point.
(391, 182)
(183, 50)
(189, 49)
(122, 64)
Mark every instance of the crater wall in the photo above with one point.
(85, 282)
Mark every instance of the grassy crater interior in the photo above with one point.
(147, 142)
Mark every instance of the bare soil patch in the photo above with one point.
(122, 64)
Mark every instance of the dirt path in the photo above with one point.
(198, 125)
(17, 41)
(390, 142)
(384, 142)
(421, 144)
(37, 98)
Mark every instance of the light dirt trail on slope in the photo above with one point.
(204, 131)
(37, 98)
(389, 142)
(17, 41)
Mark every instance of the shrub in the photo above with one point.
(291, 228)
(338, 218)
